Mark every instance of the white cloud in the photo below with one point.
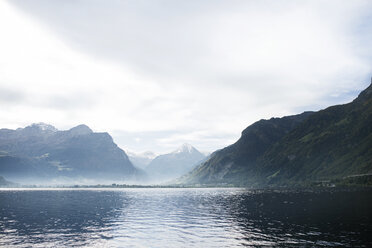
(160, 73)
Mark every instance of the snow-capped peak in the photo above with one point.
(44, 127)
(186, 148)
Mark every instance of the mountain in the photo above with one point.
(237, 162)
(141, 160)
(5, 183)
(330, 144)
(172, 165)
(40, 152)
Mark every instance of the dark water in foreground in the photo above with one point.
(184, 218)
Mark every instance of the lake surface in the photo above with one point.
(184, 218)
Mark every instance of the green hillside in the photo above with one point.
(237, 164)
(332, 144)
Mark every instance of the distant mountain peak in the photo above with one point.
(80, 130)
(185, 148)
(43, 127)
(175, 164)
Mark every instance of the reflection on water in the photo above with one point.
(184, 218)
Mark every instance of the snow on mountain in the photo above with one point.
(175, 164)
(185, 148)
(44, 127)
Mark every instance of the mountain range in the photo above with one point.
(330, 145)
(40, 152)
(333, 144)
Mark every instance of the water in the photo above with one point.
(184, 218)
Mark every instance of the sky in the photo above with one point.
(159, 73)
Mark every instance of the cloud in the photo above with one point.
(11, 96)
(160, 73)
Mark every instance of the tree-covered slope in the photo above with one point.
(333, 143)
(236, 163)
(330, 144)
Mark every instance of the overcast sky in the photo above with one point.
(156, 74)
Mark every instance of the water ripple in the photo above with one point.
(184, 218)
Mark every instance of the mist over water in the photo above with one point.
(184, 218)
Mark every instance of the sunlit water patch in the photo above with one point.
(184, 218)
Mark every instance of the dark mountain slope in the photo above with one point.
(330, 144)
(333, 143)
(42, 152)
(237, 163)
